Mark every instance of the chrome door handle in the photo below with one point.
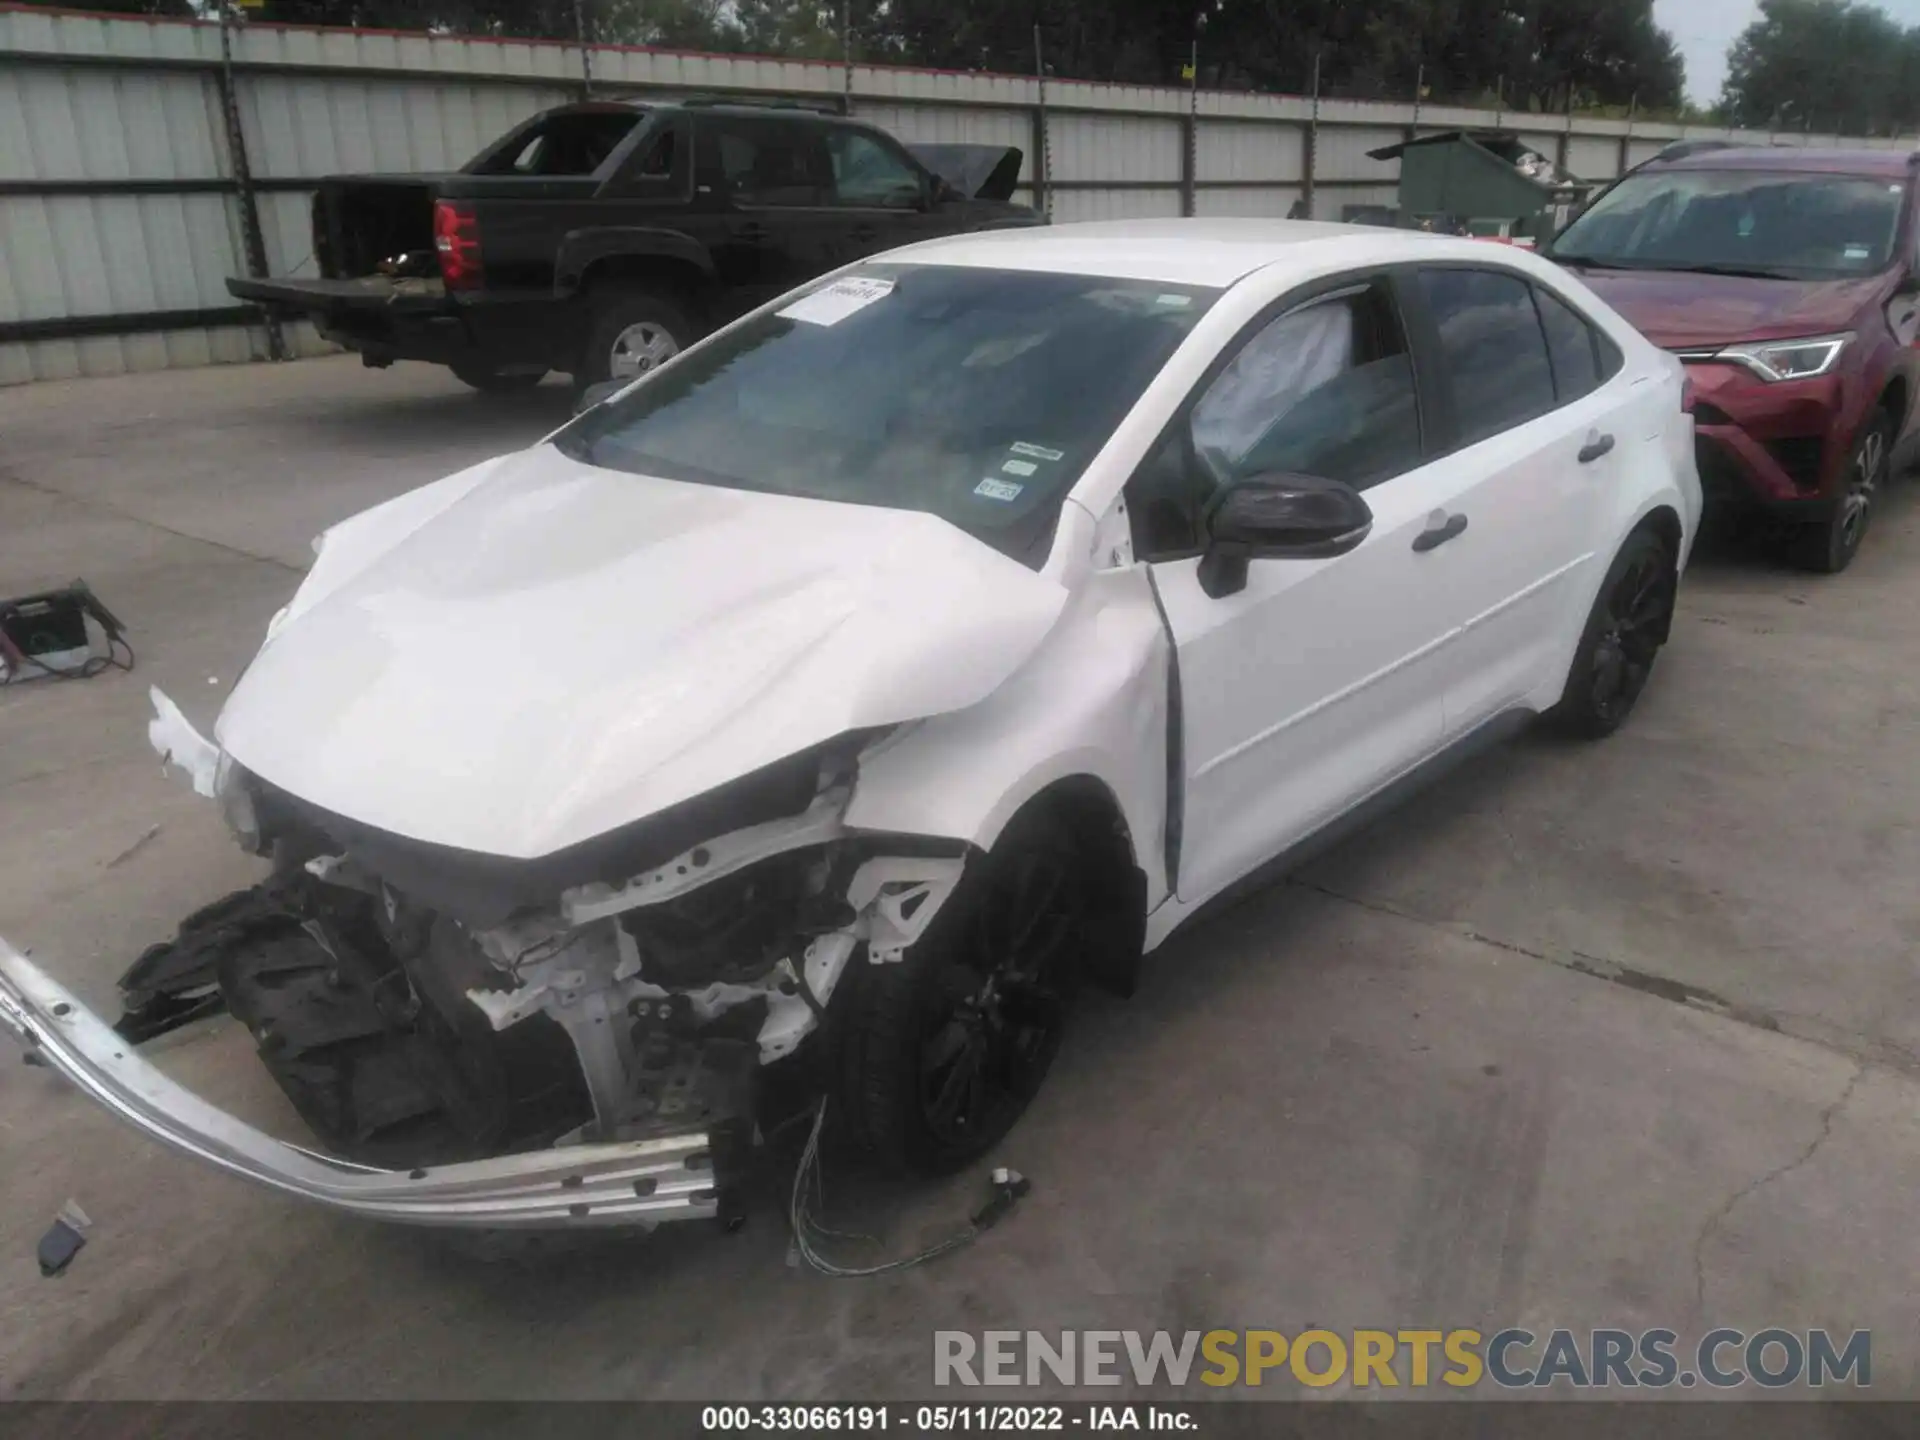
(1440, 529)
(1596, 446)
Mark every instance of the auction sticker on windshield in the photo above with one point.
(831, 304)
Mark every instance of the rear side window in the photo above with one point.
(570, 142)
(1492, 348)
(765, 162)
(1579, 364)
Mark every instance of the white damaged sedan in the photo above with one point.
(814, 716)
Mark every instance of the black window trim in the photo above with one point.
(1608, 359)
(1313, 292)
(627, 184)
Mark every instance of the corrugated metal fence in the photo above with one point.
(122, 210)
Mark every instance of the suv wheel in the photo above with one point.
(946, 1046)
(631, 332)
(1829, 546)
(1625, 630)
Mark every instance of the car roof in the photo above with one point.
(785, 109)
(1792, 159)
(1208, 253)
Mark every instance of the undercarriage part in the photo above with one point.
(379, 1066)
(178, 981)
(627, 1183)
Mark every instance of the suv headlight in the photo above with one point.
(1789, 359)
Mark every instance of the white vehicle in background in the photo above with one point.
(817, 713)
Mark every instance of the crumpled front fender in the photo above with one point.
(630, 1183)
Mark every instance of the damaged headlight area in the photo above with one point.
(424, 1008)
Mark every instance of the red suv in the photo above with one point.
(1786, 280)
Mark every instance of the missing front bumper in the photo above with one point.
(634, 1184)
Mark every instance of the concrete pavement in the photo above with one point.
(1622, 1035)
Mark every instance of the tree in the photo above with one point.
(1829, 65)
(1538, 54)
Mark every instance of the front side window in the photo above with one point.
(1492, 349)
(975, 395)
(1742, 222)
(866, 172)
(1326, 390)
(765, 162)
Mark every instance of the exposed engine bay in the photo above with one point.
(422, 1006)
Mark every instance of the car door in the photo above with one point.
(1321, 680)
(883, 199)
(769, 182)
(1529, 465)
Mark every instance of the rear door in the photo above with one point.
(1321, 680)
(1531, 451)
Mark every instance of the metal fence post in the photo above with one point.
(1042, 190)
(250, 233)
(846, 57)
(586, 49)
(1310, 141)
(1190, 148)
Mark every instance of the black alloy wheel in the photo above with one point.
(1627, 626)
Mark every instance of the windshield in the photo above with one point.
(975, 395)
(1795, 226)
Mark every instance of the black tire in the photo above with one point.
(612, 313)
(1828, 546)
(944, 1049)
(1628, 624)
(490, 381)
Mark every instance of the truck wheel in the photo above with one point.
(945, 1047)
(1829, 546)
(489, 381)
(629, 333)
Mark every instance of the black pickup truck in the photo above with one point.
(599, 239)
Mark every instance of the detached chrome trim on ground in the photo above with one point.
(636, 1183)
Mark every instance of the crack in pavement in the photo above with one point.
(1719, 1216)
(14, 477)
(1860, 1048)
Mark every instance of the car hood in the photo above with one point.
(536, 652)
(1681, 310)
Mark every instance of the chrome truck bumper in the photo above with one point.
(635, 1184)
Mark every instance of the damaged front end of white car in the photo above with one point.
(521, 963)
(578, 1039)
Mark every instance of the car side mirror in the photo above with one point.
(1278, 517)
(594, 394)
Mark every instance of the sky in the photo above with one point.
(1705, 28)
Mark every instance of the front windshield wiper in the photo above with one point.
(1590, 262)
(1744, 272)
